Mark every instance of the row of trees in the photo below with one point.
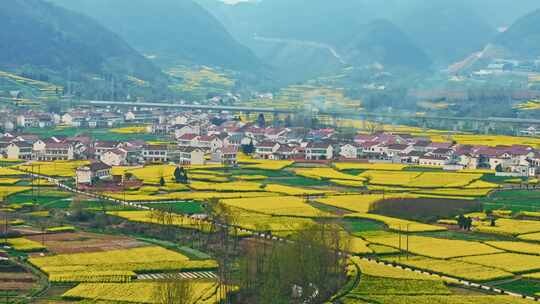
(308, 269)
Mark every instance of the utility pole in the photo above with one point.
(407, 253)
(399, 236)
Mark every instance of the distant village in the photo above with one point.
(197, 138)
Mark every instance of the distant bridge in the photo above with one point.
(330, 113)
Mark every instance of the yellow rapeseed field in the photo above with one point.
(397, 224)
(521, 247)
(420, 179)
(370, 166)
(9, 181)
(269, 164)
(23, 244)
(185, 195)
(279, 225)
(55, 168)
(358, 246)
(390, 178)
(288, 190)
(207, 177)
(143, 259)
(250, 177)
(239, 186)
(107, 276)
(137, 292)
(530, 236)
(131, 130)
(442, 299)
(283, 205)
(348, 183)
(9, 172)
(512, 262)
(152, 174)
(491, 140)
(454, 268)
(171, 219)
(508, 226)
(326, 173)
(9, 190)
(356, 203)
(458, 193)
(375, 269)
(432, 247)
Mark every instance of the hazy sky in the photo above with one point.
(234, 1)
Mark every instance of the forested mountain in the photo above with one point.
(172, 30)
(307, 38)
(522, 39)
(43, 38)
(446, 30)
(503, 13)
(383, 42)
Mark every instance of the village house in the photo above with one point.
(286, 152)
(55, 151)
(181, 130)
(116, 157)
(19, 150)
(319, 151)
(266, 149)
(430, 160)
(87, 175)
(101, 147)
(209, 142)
(413, 157)
(394, 151)
(191, 156)
(372, 150)
(141, 117)
(350, 151)
(157, 154)
(188, 140)
(228, 156)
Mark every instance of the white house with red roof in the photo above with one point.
(210, 142)
(266, 149)
(227, 155)
(319, 151)
(350, 150)
(188, 140)
(116, 157)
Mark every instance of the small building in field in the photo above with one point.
(87, 175)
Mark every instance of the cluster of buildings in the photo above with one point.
(196, 138)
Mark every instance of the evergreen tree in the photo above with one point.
(178, 175)
(249, 148)
(261, 122)
(162, 181)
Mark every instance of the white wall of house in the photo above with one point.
(113, 159)
(84, 175)
(197, 157)
(39, 146)
(12, 151)
(349, 151)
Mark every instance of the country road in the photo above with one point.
(312, 44)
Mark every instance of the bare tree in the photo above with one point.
(174, 290)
